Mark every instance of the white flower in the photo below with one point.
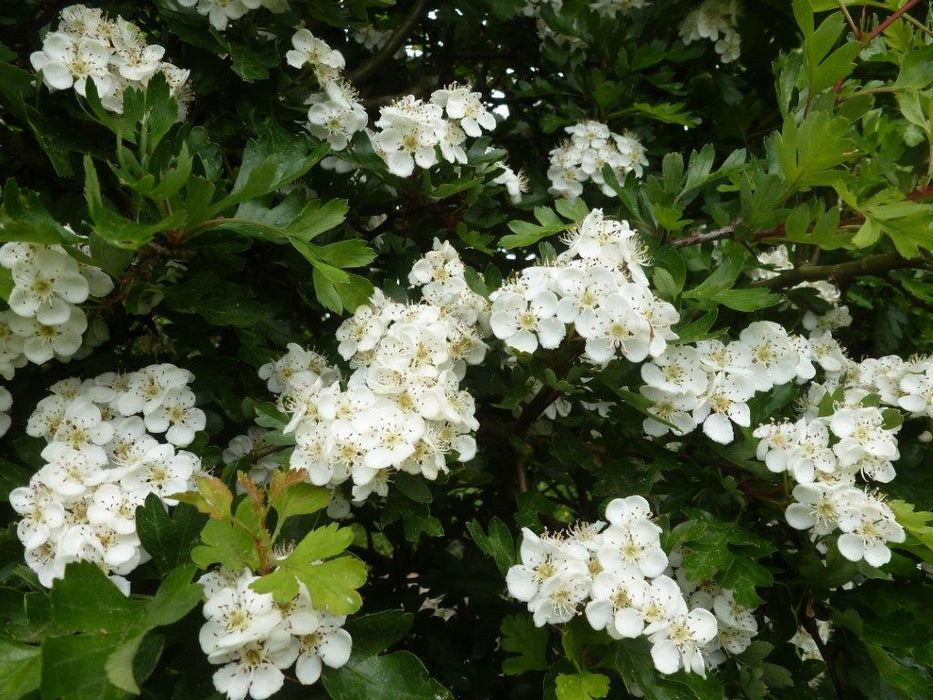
(723, 404)
(335, 115)
(616, 327)
(616, 603)
(591, 148)
(466, 107)
(46, 285)
(542, 560)
(43, 514)
(676, 409)
(66, 61)
(861, 432)
(559, 598)
(633, 548)
(409, 132)
(219, 12)
(867, 526)
(164, 473)
(41, 342)
(515, 184)
(308, 49)
(774, 359)
(236, 616)
(524, 324)
(255, 668)
(135, 60)
(328, 645)
(177, 417)
(680, 644)
(820, 506)
(677, 371)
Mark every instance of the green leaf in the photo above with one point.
(168, 539)
(525, 233)
(345, 254)
(73, 667)
(521, 637)
(810, 152)
(498, 543)
(23, 217)
(332, 584)
(301, 499)
(396, 676)
(212, 497)
(743, 577)
(112, 612)
(225, 544)
(914, 682)
(272, 160)
(746, 299)
(113, 227)
(218, 301)
(705, 558)
(176, 597)
(20, 668)
(632, 660)
(915, 522)
(582, 686)
(377, 632)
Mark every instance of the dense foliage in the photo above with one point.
(504, 348)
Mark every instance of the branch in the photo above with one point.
(532, 411)
(890, 20)
(872, 265)
(362, 74)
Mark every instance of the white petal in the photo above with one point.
(718, 428)
(665, 656)
(850, 546)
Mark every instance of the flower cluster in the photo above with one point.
(711, 382)
(256, 639)
(736, 625)
(716, 21)
(335, 113)
(402, 408)
(103, 460)
(112, 53)
(590, 148)
(538, 9)
(610, 8)
(825, 455)
(44, 320)
(413, 132)
(598, 287)
(904, 384)
(221, 12)
(618, 576)
(372, 38)
(843, 441)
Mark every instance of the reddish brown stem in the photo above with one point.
(890, 20)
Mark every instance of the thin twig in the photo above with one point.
(362, 74)
(698, 238)
(849, 20)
